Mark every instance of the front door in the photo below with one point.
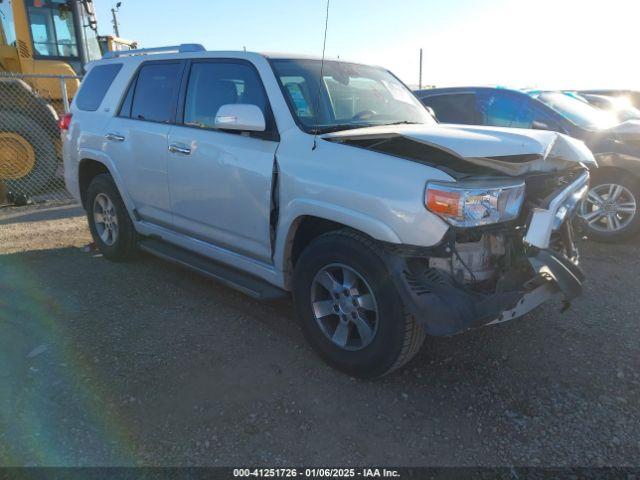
(500, 108)
(220, 181)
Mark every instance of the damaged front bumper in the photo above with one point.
(543, 265)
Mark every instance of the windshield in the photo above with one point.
(350, 96)
(578, 112)
(54, 33)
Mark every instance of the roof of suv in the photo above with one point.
(196, 50)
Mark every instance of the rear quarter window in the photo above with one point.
(95, 86)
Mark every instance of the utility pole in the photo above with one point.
(116, 26)
(420, 75)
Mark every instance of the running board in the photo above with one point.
(243, 282)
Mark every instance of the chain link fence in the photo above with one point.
(30, 144)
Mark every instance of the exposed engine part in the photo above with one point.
(473, 261)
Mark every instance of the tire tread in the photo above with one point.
(127, 245)
(414, 333)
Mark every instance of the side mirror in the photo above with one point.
(240, 116)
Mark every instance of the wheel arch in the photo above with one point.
(88, 169)
(304, 227)
(94, 162)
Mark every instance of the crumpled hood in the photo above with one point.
(508, 150)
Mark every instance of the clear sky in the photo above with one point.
(518, 43)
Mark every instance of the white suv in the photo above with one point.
(329, 180)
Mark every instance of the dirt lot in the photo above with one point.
(145, 363)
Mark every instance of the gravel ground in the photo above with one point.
(145, 363)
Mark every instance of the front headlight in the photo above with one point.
(477, 202)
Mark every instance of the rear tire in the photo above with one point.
(395, 336)
(109, 221)
(598, 216)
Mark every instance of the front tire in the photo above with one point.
(610, 211)
(349, 308)
(109, 221)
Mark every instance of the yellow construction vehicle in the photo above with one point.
(43, 43)
(109, 43)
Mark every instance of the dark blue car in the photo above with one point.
(610, 212)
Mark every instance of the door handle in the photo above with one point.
(178, 149)
(114, 137)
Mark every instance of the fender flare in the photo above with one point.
(300, 208)
(100, 157)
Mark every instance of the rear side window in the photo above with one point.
(453, 108)
(95, 86)
(155, 93)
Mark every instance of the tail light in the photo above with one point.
(65, 122)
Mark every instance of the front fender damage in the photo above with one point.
(498, 273)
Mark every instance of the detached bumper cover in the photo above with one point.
(446, 309)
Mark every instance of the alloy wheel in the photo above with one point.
(608, 208)
(105, 219)
(344, 307)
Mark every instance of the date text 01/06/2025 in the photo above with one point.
(316, 473)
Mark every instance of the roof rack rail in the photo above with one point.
(184, 48)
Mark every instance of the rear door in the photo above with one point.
(137, 138)
(220, 181)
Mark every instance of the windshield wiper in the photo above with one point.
(340, 126)
(403, 122)
(350, 126)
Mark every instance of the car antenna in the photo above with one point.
(324, 46)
